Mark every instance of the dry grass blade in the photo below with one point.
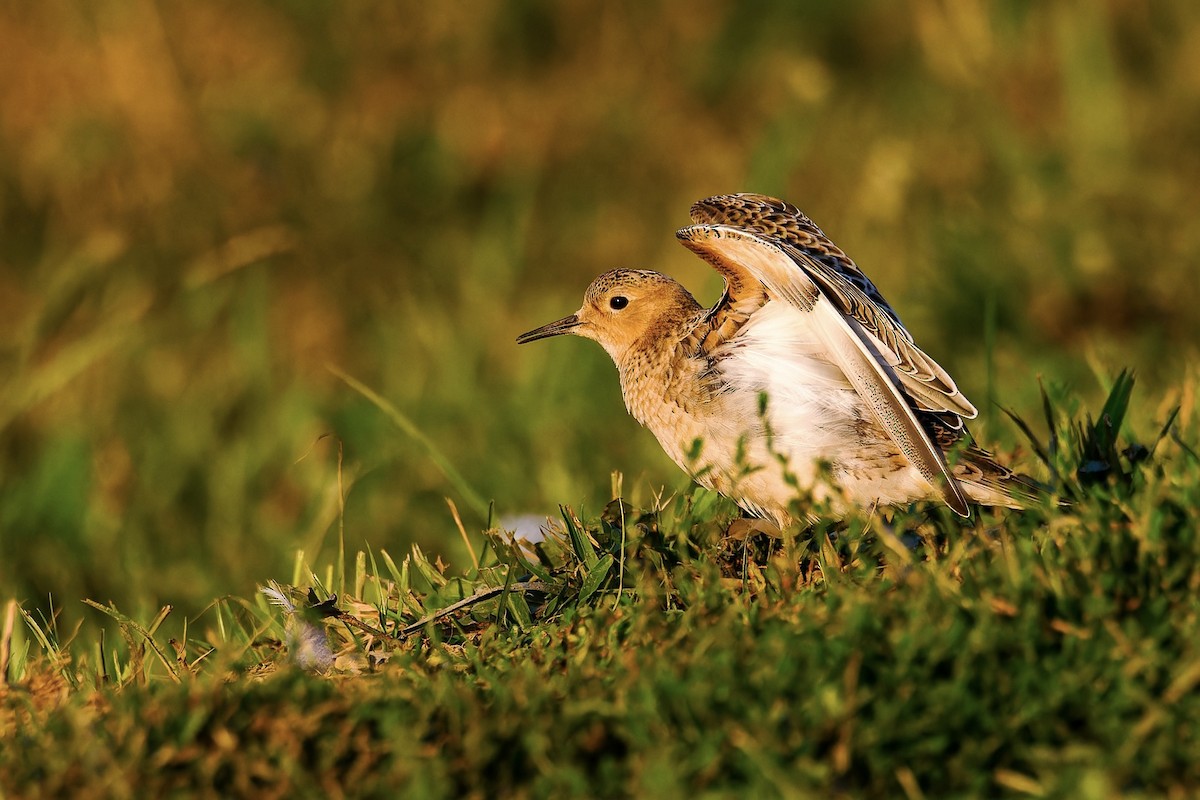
(479, 597)
(6, 637)
(462, 531)
(146, 634)
(473, 498)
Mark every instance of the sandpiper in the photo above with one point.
(800, 380)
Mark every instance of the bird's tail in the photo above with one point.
(991, 484)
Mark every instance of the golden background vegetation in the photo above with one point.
(204, 206)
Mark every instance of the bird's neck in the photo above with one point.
(657, 370)
(643, 376)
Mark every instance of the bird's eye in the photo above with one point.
(618, 302)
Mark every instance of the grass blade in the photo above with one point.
(581, 543)
(129, 624)
(473, 498)
(595, 577)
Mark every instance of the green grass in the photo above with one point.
(261, 266)
(1050, 652)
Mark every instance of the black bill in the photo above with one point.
(555, 328)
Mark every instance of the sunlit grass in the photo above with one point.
(1028, 652)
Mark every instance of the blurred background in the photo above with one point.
(205, 206)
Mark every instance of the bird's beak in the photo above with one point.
(564, 325)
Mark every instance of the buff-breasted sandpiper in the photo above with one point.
(800, 380)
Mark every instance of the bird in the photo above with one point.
(800, 381)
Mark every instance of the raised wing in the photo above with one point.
(840, 279)
(746, 259)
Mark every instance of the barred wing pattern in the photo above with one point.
(928, 386)
(755, 264)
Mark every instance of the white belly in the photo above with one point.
(814, 417)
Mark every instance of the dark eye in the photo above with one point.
(618, 302)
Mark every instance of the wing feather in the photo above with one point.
(746, 258)
(840, 279)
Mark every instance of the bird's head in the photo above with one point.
(620, 308)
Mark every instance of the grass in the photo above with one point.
(1048, 653)
(261, 266)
